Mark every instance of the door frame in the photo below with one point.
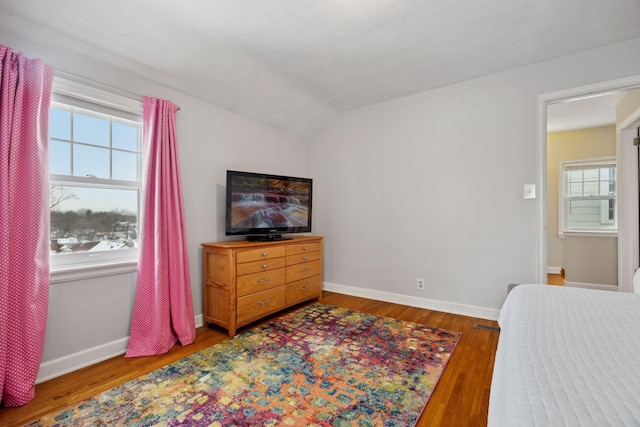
(628, 208)
(628, 240)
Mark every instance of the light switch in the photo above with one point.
(529, 191)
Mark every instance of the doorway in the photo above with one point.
(617, 252)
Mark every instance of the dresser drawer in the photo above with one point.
(257, 266)
(260, 254)
(302, 271)
(303, 257)
(300, 248)
(260, 303)
(256, 282)
(303, 290)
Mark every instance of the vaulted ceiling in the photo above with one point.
(296, 64)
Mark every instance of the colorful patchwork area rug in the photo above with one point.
(318, 366)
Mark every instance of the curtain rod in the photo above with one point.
(98, 85)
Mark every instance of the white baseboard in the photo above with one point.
(73, 362)
(591, 286)
(199, 320)
(430, 304)
(554, 270)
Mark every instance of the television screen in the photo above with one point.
(262, 204)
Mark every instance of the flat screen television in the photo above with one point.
(264, 207)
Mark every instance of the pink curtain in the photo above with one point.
(163, 309)
(25, 96)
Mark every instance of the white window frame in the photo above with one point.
(563, 230)
(91, 96)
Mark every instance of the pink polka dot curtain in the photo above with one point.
(163, 308)
(25, 97)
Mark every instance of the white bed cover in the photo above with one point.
(567, 357)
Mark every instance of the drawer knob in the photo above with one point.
(264, 302)
(305, 248)
(264, 254)
(266, 279)
(264, 265)
(305, 258)
(304, 288)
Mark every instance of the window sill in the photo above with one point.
(564, 234)
(69, 273)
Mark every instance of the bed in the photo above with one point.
(567, 357)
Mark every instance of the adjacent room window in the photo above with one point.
(588, 197)
(95, 170)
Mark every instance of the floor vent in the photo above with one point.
(488, 327)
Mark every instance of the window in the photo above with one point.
(95, 154)
(588, 197)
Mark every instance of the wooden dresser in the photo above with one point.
(245, 281)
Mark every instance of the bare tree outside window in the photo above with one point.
(58, 194)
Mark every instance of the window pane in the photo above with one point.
(588, 214)
(606, 188)
(91, 130)
(609, 178)
(611, 210)
(575, 189)
(93, 219)
(125, 137)
(125, 166)
(575, 175)
(60, 124)
(90, 161)
(59, 157)
(590, 188)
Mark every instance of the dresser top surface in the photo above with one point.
(234, 244)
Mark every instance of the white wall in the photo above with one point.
(89, 319)
(431, 186)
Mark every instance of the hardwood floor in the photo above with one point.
(461, 397)
(555, 279)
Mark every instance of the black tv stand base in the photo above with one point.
(267, 238)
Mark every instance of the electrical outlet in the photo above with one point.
(421, 284)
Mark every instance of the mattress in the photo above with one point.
(567, 357)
